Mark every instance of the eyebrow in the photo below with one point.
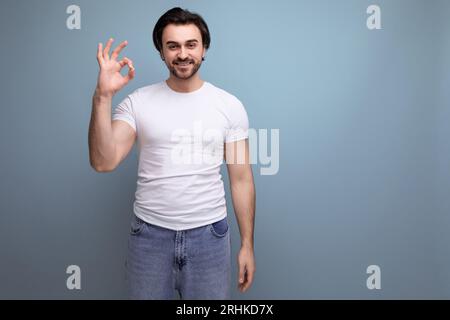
(192, 40)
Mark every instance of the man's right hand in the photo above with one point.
(110, 80)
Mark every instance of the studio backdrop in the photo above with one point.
(349, 106)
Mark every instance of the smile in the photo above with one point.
(183, 64)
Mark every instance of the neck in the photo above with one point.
(182, 85)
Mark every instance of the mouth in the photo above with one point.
(183, 64)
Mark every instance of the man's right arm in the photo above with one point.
(109, 141)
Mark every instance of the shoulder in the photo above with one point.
(230, 106)
(142, 96)
(147, 90)
(228, 98)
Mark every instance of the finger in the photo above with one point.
(107, 48)
(241, 273)
(122, 63)
(131, 69)
(126, 61)
(99, 53)
(116, 51)
(131, 73)
(249, 280)
(242, 285)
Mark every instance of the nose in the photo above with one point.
(183, 53)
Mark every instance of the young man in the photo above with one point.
(184, 127)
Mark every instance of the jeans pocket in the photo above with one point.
(220, 228)
(137, 225)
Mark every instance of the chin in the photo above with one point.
(182, 76)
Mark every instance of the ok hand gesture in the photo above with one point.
(110, 80)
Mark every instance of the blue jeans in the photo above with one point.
(194, 263)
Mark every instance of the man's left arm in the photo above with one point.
(243, 197)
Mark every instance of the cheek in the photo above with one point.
(199, 53)
(170, 55)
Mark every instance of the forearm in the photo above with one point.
(243, 196)
(101, 142)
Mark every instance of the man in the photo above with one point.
(185, 127)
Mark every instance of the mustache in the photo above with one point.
(183, 61)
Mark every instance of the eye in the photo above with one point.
(191, 45)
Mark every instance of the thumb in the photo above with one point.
(131, 69)
(131, 73)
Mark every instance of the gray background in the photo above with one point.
(364, 149)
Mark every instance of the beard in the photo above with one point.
(184, 73)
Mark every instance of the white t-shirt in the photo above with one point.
(180, 139)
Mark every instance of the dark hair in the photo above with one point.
(179, 16)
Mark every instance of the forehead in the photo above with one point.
(181, 33)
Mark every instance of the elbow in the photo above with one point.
(101, 162)
(242, 182)
(102, 168)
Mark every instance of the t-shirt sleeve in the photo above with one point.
(125, 111)
(238, 123)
